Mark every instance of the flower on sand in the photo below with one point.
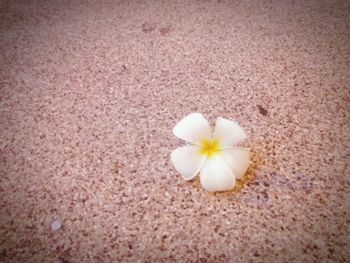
(215, 157)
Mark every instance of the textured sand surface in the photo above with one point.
(90, 91)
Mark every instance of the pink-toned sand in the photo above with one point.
(90, 91)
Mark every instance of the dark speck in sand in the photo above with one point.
(147, 27)
(262, 110)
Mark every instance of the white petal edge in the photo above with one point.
(193, 128)
(216, 175)
(238, 159)
(228, 132)
(187, 161)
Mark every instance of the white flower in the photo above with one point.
(216, 157)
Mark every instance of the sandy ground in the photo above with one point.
(90, 91)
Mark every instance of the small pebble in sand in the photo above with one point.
(56, 225)
(262, 110)
(147, 27)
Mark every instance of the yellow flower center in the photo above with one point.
(209, 147)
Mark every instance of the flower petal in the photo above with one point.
(238, 159)
(228, 132)
(193, 128)
(216, 175)
(188, 161)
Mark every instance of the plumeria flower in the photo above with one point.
(216, 157)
